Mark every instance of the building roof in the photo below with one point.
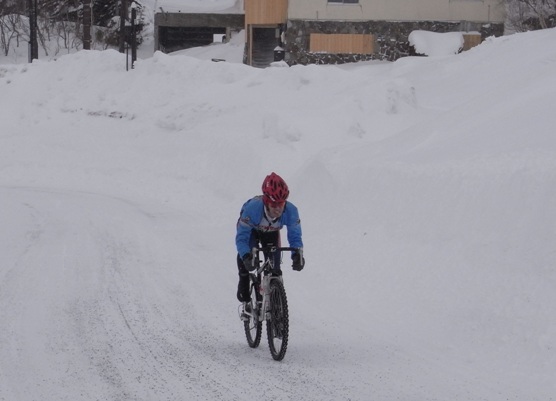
(200, 6)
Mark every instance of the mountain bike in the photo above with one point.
(268, 303)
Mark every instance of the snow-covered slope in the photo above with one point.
(426, 189)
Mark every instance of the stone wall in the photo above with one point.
(391, 38)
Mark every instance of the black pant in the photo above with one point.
(271, 238)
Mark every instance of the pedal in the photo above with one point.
(244, 312)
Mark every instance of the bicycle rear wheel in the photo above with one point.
(277, 327)
(253, 327)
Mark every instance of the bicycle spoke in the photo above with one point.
(275, 311)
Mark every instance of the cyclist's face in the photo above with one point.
(275, 209)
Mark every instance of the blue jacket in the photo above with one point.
(251, 217)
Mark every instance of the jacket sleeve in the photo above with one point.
(243, 233)
(245, 224)
(293, 223)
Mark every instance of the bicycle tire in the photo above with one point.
(277, 327)
(253, 327)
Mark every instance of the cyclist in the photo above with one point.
(260, 222)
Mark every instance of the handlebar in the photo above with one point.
(271, 249)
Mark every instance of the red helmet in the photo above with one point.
(275, 189)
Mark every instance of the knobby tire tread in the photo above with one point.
(279, 322)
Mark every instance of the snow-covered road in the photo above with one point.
(97, 304)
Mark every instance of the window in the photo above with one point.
(344, 1)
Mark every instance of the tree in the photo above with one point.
(61, 21)
(12, 7)
(11, 28)
(526, 15)
(12, 24)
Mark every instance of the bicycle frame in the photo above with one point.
(264, 270)
(268, 302)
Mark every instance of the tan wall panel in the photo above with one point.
(341, 43)
(471, 40)
(264, 12)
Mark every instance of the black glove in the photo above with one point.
(248, 262)
(298, 262)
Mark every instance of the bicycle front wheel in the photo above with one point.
(277, 327)
(253, 327)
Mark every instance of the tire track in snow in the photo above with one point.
(121, 317)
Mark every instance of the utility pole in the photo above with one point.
(33, 43)
(123, 17)
(133, 35)
(87, 24)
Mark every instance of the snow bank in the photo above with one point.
(436, 44)
(426, 191)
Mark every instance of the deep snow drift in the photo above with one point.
(426, 190)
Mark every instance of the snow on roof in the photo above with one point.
(200, 6)
(436, 44)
